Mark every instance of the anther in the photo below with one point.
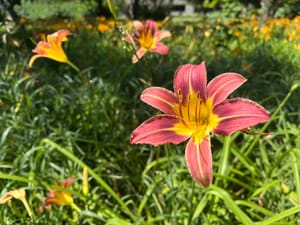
(180, 97)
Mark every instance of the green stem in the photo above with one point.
(92, 173)
(223, 163)
(27, 207)
(74, 206)
(296, 175)
(73, 66)
(253, 143)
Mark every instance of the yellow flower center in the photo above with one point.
(146, 39)
(196, 116)
(61, 198)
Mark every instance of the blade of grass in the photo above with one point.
(256, 138)
(199, 208)
(230, 204)
(223, 162)
(146, 197)
(156, 163)
(254, 206)
(280, 216)
(102, 183)
(16, 178)
(296, 173)
(112, 8)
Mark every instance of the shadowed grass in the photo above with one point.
(54, 122)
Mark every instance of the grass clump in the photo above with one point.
(55, 121)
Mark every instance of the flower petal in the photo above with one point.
(139, 26)
(138, 55)
(159, 35)
(62, 34)
(159, 98)
(160, 48)
(60, 198)
(157, 130)
(152, 25)
(17, 194)
(190, 78)
(199, 161)
(128, 38)
(33, 58)
(238, 114)
(223, 85)
(67, 183)
(42, 48)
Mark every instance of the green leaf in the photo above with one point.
(280, 216)
(230, 204)
(112, 8)
(200, 208)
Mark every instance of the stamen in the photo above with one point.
(180, 97)
(189, 102)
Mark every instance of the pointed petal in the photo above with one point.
(67, 183)
(62, 34)
(152, 25)
(128, 38)
(42, 48)
(17, 194)
(138, 25)
(32, 59)
(159, 35)
(238, 114)
(157, 130)
(199, 161)
(159, 98)
(223, 85)
(190, 78)
(138, 55)
(161, 49)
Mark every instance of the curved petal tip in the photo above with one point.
(199, 161)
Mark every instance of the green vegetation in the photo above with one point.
(55, 121)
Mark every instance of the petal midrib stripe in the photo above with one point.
(238, 116)
(220, 87)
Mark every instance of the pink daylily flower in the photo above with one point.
(195, 110)
(147, 38)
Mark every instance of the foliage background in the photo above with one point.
(54, 121)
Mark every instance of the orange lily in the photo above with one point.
(52, 48)
(195, 110)
(59, 197)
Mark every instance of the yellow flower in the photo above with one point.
(111, 23)
(207, 33)
(85, 181)
(103, 27)
(237, 33)
(23, 20)
(59, 196)
(52, 48)
(19, 194)
(266, 32)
